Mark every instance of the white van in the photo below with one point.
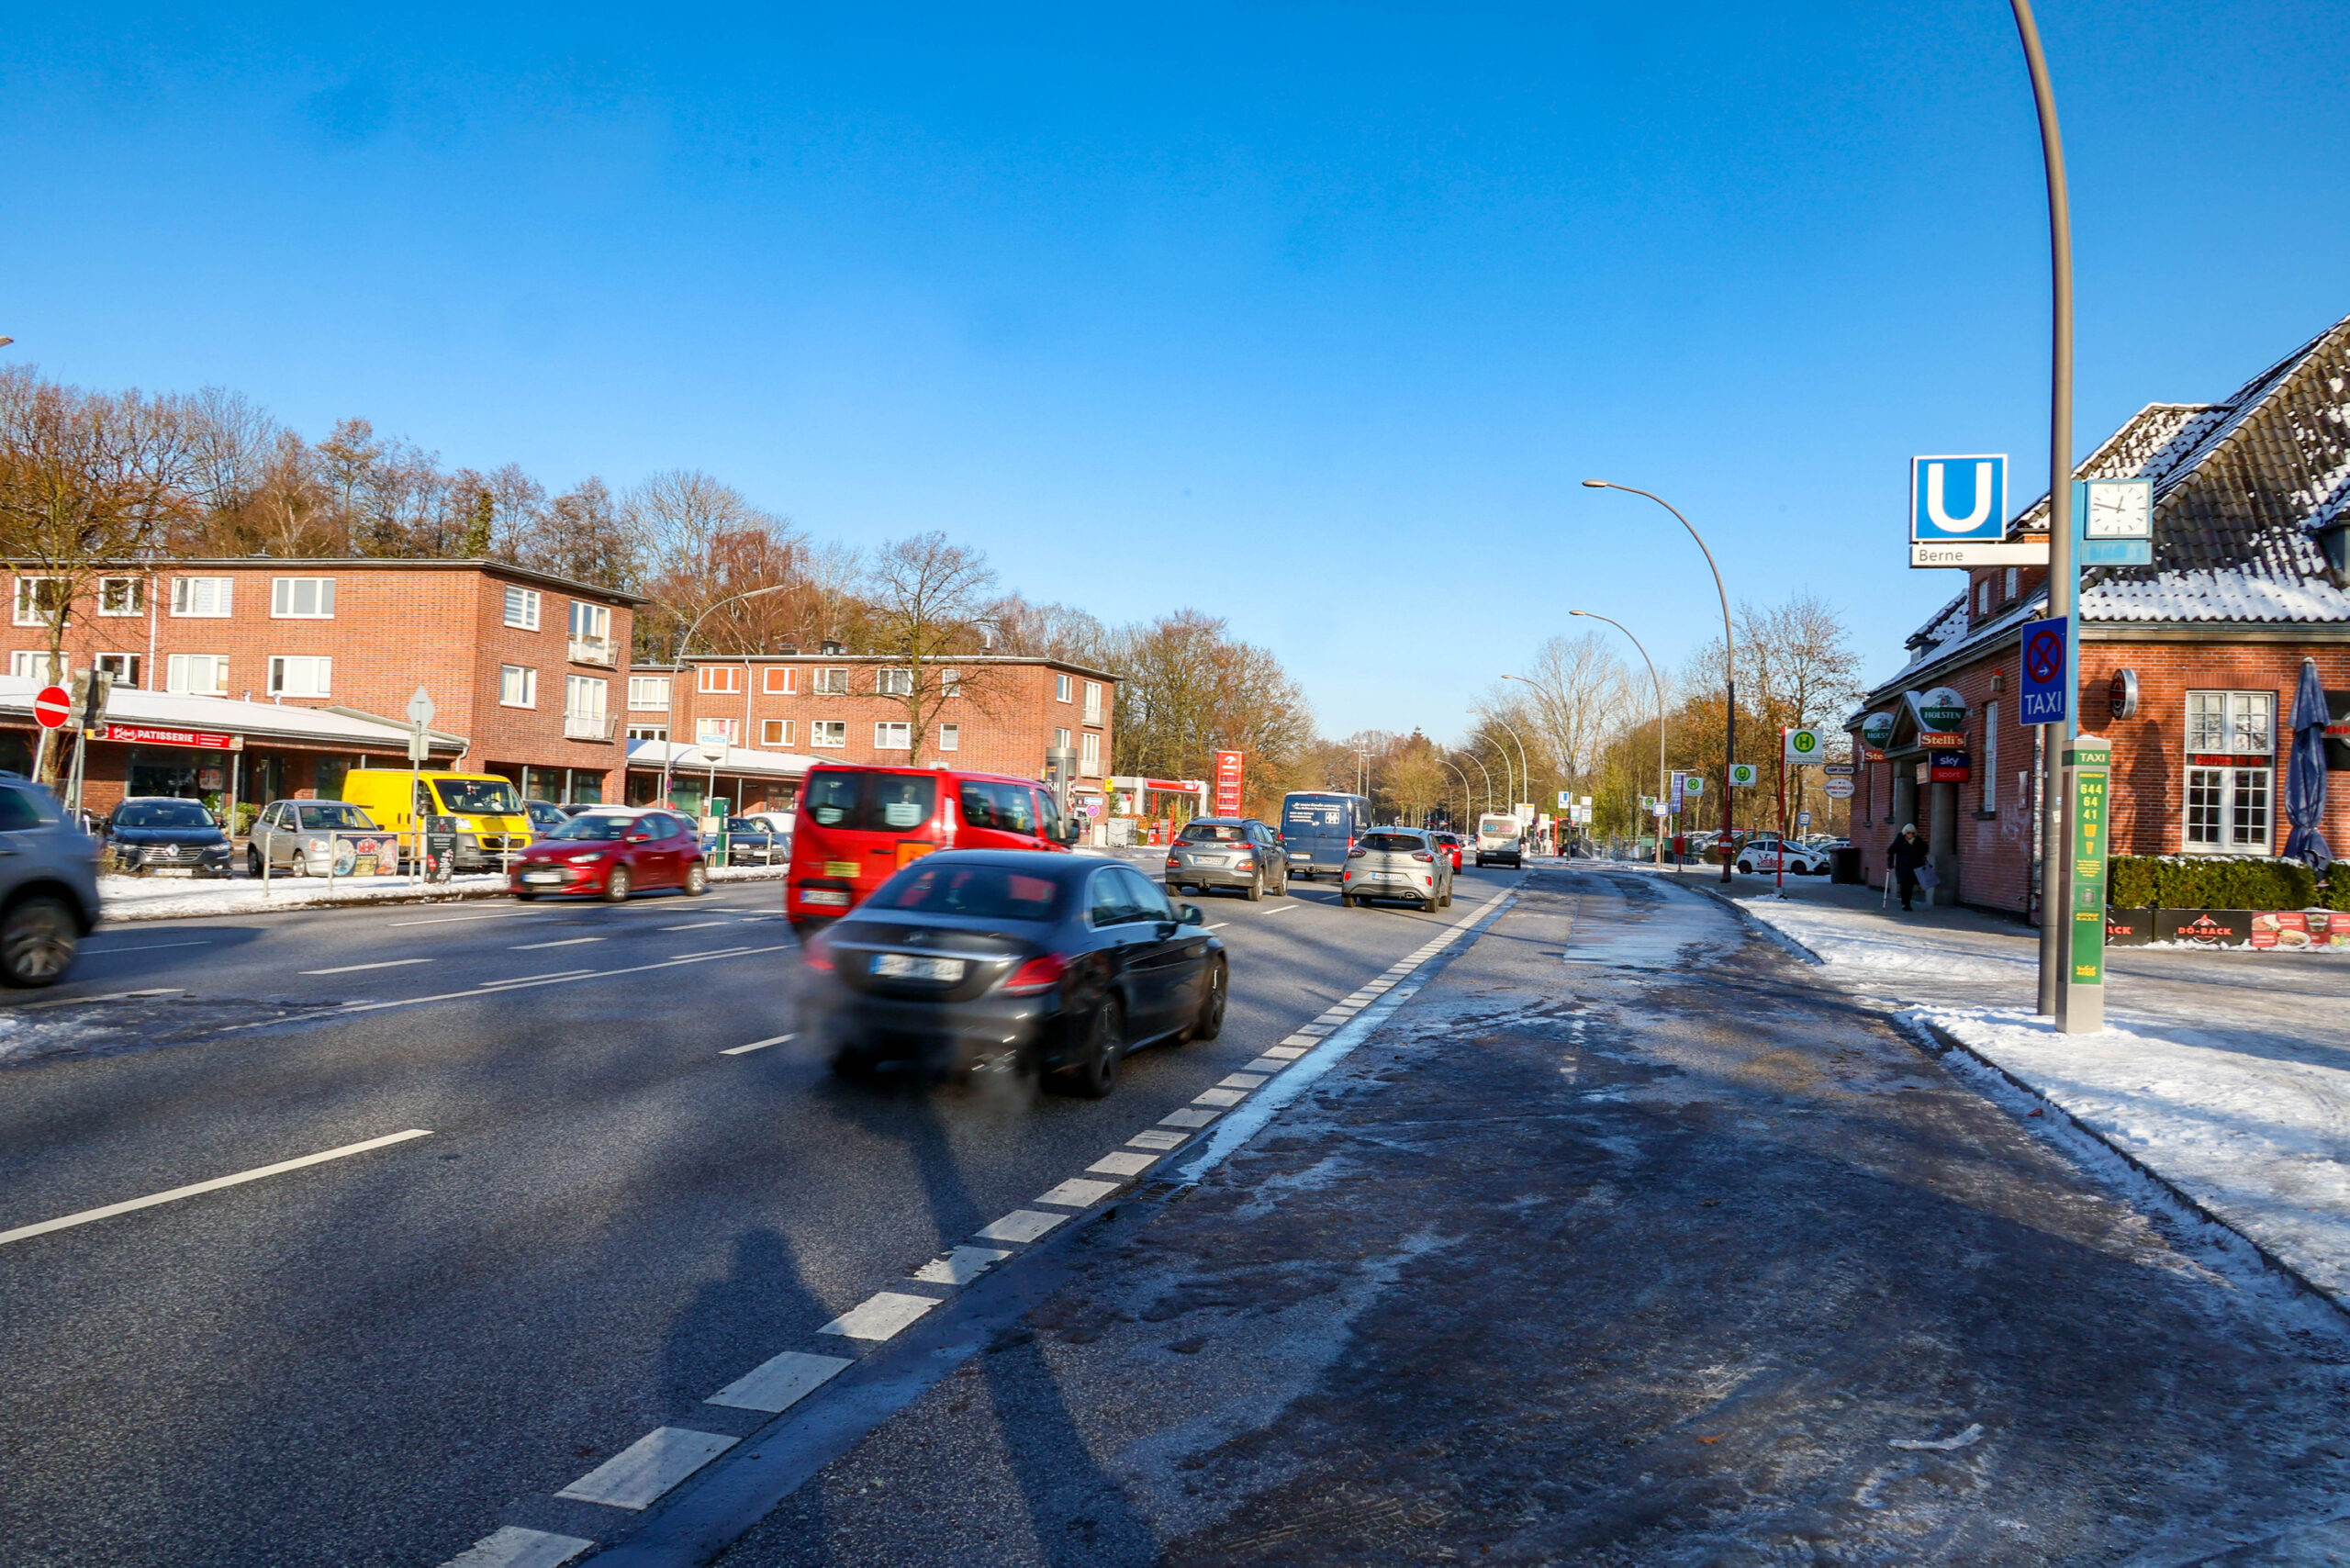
(1498, 840)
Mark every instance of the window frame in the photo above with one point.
(1064, 687)
(280, 663)
(2218, 796)
(575, 684)
(830, 735)
(892, 734)
(529, 685)
(184, 598)
(777, 733)
(27, 664)
(788, 686)
(598, 616)
(707, 687)
(831, 680)
(282, 590)
(1088, 756)
(722, 729)
(892, 680)
(125, 678)
(137, 597)
(637, 681)
(220, 665)
(529, 598)
(37, 618)
(950, 737)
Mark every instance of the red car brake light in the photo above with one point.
(1357, 854)
(1422, 854)
(1038, 974)
(817, 954)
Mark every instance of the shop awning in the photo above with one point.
(206, 723)
(741, 762)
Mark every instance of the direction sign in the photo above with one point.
(1839, 787)
(1802, 744)
(2045, 694)
(1741, 775)
(52, 705)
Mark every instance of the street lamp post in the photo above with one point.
(1663, 785)
(1729, 652)
(1467, 793)
(1523, 763)
(668, 748)
(1489, 778)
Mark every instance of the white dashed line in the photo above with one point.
(1190, 1116)
(1023, 1226)
(1240, 1081)
(698, 925)
(460, 919)
(86, 1216)
(780, 1383)
(1265, 1064)
(755, 1046)
(1077, 1192)
(354, 969)
(566, 942)
(538, 980)
(1218, 926)
(638, 1473)
(1158, 1138)
(1311, 1031)
(510, 1546)
(879, 1315)
(961, 1266)
(1123, 1163)
(1220, 1097)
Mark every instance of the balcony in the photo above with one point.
(587, 727)
(595, 651)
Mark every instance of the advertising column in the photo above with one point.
(1228, 783)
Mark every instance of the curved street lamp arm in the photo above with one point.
(1663, 773)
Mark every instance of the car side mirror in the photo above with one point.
(1191, 915)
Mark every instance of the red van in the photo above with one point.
(857, 826)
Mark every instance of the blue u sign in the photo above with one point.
(1958, 498)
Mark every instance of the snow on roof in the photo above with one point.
(173, 710)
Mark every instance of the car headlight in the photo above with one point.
(587, 859)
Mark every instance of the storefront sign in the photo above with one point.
(1941, 709)
(2224, 759)
(1948, 767)
(1228, 783)
(1943, 740)
(2087, 768)
(2122, 694)
(202, 740)
(2128, 927)
(1875, 729)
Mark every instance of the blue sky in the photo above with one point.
(1283, 313)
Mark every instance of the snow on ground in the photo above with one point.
(174, 898)
(2226, 1074)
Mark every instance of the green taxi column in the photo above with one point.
(2080, 1001)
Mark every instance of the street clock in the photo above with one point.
(2120, 508)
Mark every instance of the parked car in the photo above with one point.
(491, 818)
(164, 833)
(1019, 961)
(1765, 851)
(857, 827)
(610, 854)
(747, 843)
(1228, 852)
(307, 838)
(48, 885)
(1401, 863)
(1451, 842)
(545, 817)
(1497, 839)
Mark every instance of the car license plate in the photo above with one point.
(909, 965)
(826, 896)
(543, 877)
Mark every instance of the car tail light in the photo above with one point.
(1422, 854)
(1038, 974)
(1172, 860)
(817, 954)
(1357, 854)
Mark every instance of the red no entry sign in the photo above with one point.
(52, 705)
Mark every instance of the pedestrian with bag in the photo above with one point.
(1908, 855)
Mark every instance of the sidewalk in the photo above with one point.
(2224, 1074)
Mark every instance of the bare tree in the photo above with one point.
(1577, 692)
(925, 594)
(1188, 689)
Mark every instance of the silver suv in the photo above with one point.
(1403, 863)
(1228, 852)
(48, 885)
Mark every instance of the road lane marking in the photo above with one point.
(1287, 1052)
(565, 941)
(1077, 1192)
(1223, 1097)
(1218, 926)
(86, 1216)
(512, 1546)
(457, 919)
(1123, 1163)
(1160, 1138)
(538, 980)
(480, 991)
(354, 969)
(152, 947)
(1188, 1117)
(961, 1266)
(1023, 1226)
(755, 1046)
(1240, 1081)
(1283, 910)
(778, 1384)
(640, 1473)
(697, 924)
(881, 1316)
(1268, 1064)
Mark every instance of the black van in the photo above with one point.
(1318, 828)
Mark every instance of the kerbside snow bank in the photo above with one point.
(174, 898)
(2233, 1084)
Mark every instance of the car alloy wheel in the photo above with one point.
(1210, 1022)
(615, 885)
(36, 938)
(252, 864)
(1256, 889)
(697, 879)
(1104, 1045)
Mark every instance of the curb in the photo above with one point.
(119, 915)
(1938, 1040)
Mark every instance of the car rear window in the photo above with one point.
(872, 802)
(986, 893)
(1393, 843)
(1215, 833)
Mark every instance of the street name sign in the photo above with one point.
(2045, 694)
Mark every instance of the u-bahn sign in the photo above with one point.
(1958, 514)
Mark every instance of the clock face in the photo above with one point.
(2120, 509)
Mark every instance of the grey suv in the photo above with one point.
(48, 885)
(1228, 852)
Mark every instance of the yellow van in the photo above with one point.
(490, 816)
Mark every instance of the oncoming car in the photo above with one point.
(1014, 961)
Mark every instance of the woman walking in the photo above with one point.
(1908, 854)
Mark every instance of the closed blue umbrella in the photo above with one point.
(2305, 773)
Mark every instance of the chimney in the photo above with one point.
(831, 650)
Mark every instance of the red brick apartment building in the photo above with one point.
(2188, 666)
(527, 674)
(781, 714)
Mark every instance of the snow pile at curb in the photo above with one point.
(144, 898)
(1857, 940)
(2258, 1142)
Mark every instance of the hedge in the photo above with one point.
(2212, 881)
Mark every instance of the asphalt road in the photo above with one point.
(379, 1358)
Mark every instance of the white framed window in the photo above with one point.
(301, 599)
(2238, 722)
(2007, 584)
(893, 683)
(2231, 782)
(38, 663)
(1982, 595)
(1064, 687)
(715, 731)
(206, 598)
(300, 676)
(950, 737)
(649, 692)
(584, 712)
(1060, 740)
(124, 668)
(648, 731)
(828, 733)
(2227, 811)
(518, 685)
(1989, 761)
(591, 622)
(950, 683)
(122, 596)
(719, 678)
(893, 734)
(832, 683)
(775, 731)
(38, 599)
(1088, 756)
(521, 607)
(1092, 702)
(197, 675)
(782, 681)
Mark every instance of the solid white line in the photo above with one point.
(153, 948)
(512, 1546)
(354, 969)
(460, 919)
(1077, 1192)
(1022, 1225)
(881, 1316)
(566, 942)
(24, 1231)
(539, 979)
(755, 1046)
(779, 1382)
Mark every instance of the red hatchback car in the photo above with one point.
(610, 852)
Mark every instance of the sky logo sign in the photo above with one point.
(1958, 499)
